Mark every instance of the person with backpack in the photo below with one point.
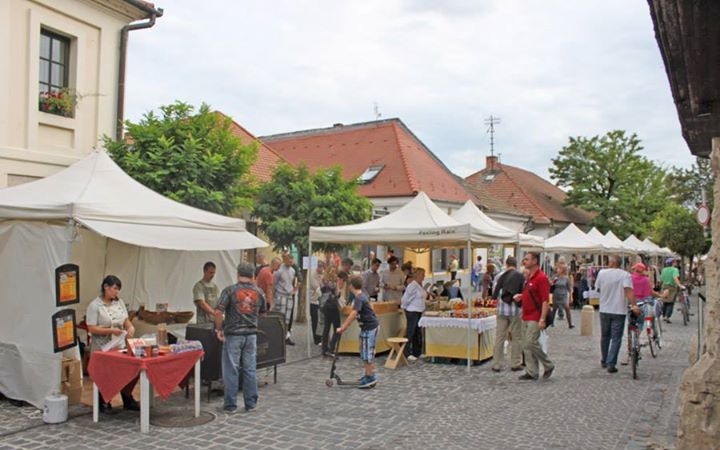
(509, 324)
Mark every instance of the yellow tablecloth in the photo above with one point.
(390, 318)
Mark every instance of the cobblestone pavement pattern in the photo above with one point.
(424, 406)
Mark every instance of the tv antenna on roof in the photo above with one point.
(376, 110)
(491, 122)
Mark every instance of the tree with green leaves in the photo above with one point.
(686, 185)
(608, 175)
(676, 227)
(191, 157)
(294, 199)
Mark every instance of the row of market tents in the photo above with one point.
(94, 215)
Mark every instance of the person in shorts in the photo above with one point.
(368, 323)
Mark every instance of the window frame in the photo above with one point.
(53, 87)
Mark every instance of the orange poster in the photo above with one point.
(67, 285)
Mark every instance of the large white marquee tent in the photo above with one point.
(94, 215)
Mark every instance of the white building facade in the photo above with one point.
(61, 76)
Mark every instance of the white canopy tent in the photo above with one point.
(634, 244)
(420, 224)
(573, 239)
(611, 238)
(94, 215)
(652, 248)
(608, 243)
(493, 231)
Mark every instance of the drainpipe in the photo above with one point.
(124, 34)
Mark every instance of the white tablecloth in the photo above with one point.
(480, 325)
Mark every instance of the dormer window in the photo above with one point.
(489, 177)
(369, 174)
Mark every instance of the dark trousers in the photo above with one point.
(414, 334)
(612, 327)
(453, 275)
(668, 309)
(314, 321)
(332, 319)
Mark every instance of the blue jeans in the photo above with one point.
(612, 327)
(239, 350)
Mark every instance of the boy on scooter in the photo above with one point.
(368, 323)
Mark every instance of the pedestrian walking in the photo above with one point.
(535, 299)
(616, 289)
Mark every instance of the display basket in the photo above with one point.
(158, 317)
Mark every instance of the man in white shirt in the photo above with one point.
(284, 290)
(616, 289)
(392, 281)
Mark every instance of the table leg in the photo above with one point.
(96, 407)
(144, 402)
(197, 388)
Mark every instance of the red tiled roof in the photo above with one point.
(511, 188)
(408, 165)
(267, 158)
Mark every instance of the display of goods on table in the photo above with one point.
(158, 317)
(485, 303)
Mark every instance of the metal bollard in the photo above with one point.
(587, 316)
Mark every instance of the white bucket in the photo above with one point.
(56, 408)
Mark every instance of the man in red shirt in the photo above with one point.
(265, 280)
(534, 297)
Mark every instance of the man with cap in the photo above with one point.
(241, 304)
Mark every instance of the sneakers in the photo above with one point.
(367, 382)
(516, 368)
(250, 409)
(227, 409)
(412, 358)
(527, 376)
(612, 369)
(289, 341)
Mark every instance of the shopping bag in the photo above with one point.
(543, 340)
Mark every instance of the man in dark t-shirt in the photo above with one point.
(368, 322)
(240, 304)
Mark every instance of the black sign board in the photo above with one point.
(64, 330)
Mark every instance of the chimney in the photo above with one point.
(491, 162)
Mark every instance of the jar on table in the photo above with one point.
(162, 334)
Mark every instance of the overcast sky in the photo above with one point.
(549, 69)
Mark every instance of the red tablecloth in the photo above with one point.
(112, 370)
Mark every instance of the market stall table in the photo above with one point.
(111, 371)
(447, 337)
(390, 317)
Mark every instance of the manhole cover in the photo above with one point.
(180, 418)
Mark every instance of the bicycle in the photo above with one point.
(633, 343)
(684, 301)
(653, 329)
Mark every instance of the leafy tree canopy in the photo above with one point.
(192, 157)
(686, 185)
(294, 199)
(607, 175)
(676, 227)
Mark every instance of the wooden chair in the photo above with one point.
(397, 355)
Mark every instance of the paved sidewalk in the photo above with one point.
(424, 406)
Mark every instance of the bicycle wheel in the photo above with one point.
(651, 342)
(685, 314)
(657, 332)
(634, 353)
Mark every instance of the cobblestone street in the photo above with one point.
(424, 406)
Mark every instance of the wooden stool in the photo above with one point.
(396, 356)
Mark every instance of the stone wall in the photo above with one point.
(700, 387)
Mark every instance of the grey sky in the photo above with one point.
(549, 68)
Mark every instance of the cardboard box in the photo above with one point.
(71, 372)
(73, 393)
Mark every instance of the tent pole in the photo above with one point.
(307, 301)
(71, 238)
(469, 310)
